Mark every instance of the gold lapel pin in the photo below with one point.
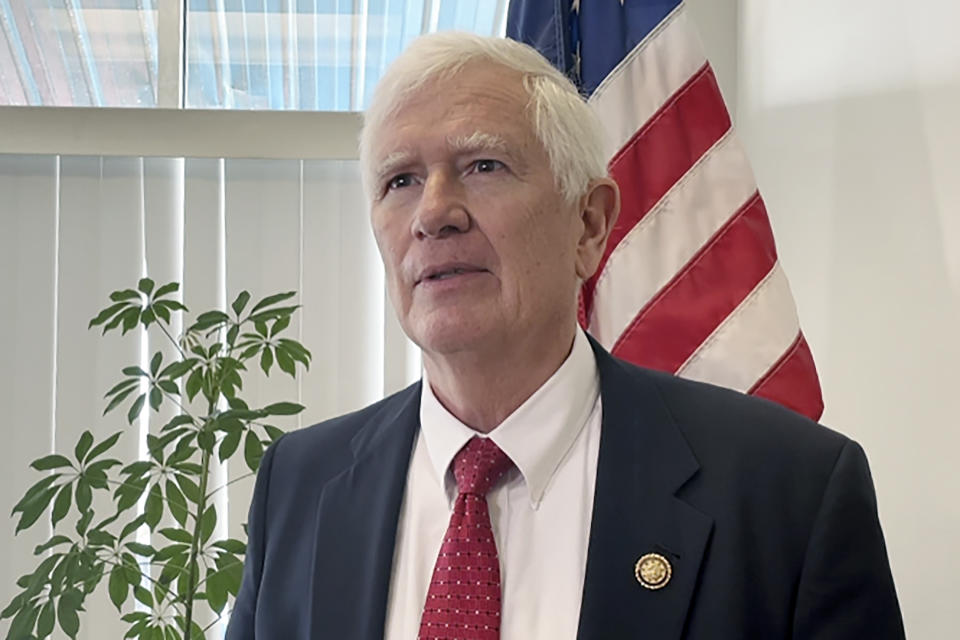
(653, 571)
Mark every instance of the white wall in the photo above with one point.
(850, 112)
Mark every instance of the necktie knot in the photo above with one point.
(479, 465)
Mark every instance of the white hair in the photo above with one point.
(568, 129)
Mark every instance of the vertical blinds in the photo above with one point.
(72, 229)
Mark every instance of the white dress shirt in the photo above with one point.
(540, 511)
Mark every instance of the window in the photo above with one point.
(319, 55)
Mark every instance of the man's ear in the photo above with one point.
(599, 208)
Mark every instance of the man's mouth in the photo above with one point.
(445, 272)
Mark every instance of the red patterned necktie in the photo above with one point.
(463, 602)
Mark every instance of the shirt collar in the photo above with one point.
(536, 436)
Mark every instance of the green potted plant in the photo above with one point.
(156, 587)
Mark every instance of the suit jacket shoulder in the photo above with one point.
(774, 515)
(328, 448)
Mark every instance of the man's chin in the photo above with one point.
(453, 337)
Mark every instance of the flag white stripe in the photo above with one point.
(642, 83)
(655, 250)
(751, 339)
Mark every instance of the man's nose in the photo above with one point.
(442, 211)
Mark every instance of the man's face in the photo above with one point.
(478, 244)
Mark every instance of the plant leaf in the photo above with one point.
(285, 362)
(279, 326)
(143, 596)
(273, 432)
(52, 461)
(216, 590)
(106, 314)
(274, 299)
(84, 495)
(232, 545)
(170, 387)
(179, 368)
(141, 549)
(241, 302)
(39, 487)
(120, 386)
(177, 421)
(145, 285)
(83, 445)
(161, 311)
(283, 409)
(126, 294)
(84, 522)
(210, 318)
(130, 318)
(208, 523)
(136, 408)
(117, 399)
(252, 450)
(297, 350)
(23, 622)
(177, 503)
(170, 287)
(131, 568)
(176, 535)
(156, 397)
(266, 359)
(229, 444)
(137, 468)
(194, 383)
(232, 334)
(14, 605)
(155, 362)
(67, 615)
(46, 620)
(118, 587)
(33, 509)
(96, 477)
(171, 305)
(272, 314)
(103, 446)
(189, 488)
(62, 504)
(49, 544)
(153, 509)
(132, 526)
(171, 552)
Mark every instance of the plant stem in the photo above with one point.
(195, 546)
(251, 474)
(170, 338)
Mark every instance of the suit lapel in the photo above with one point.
(643, 461)
(357, 525)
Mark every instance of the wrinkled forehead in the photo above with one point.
(463, 144)
(479, 105)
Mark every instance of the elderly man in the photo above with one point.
(531, 485)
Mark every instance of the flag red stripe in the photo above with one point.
(702, 294)
(793, 381)
(661, 152)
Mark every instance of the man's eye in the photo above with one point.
(397, 182)
(487, 165)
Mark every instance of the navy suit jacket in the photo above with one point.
(768, 520)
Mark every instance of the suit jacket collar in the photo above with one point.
(643, 461)
(356, 525)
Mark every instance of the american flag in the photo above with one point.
(690, 282)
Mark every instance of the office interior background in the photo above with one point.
(223, 156)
